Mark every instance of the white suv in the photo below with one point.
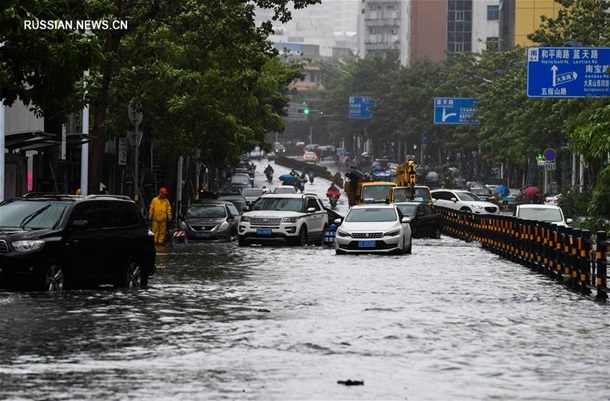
(462, 200)
(296, 219)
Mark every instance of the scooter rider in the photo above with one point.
(269, 172)
(333, 190)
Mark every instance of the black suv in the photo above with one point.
(50, 242)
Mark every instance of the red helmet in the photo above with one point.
(163, 190)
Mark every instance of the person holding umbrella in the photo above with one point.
(532, 193)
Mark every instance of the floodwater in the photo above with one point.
(219, 322)
(449, 322)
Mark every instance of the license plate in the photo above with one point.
(366, 244)
(263, 231)
(202, 235)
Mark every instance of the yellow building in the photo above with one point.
(522, 17)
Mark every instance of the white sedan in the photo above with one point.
(374, 228)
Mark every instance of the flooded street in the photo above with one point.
(449, 322)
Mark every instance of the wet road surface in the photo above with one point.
(219, 322)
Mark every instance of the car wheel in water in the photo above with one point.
(339, 252)
(54, 279)
(241, 241)
(132, 276)
(301, 239)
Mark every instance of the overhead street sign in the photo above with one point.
(565, 72)
(454, 110)
(359, 107)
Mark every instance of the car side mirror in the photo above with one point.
(311, 209)
(80, 224)
(405, 220)
(569, 221)
(338, 221)
(454, 200)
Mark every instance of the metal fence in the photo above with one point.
(571, 256)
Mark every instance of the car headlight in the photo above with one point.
(245, 219)
(392, 233)
(478, 206)
(223, 225)
(341, 233)
(28, 246)
(289, 219)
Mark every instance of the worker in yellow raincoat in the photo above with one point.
(160, 212)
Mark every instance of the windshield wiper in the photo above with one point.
(32, 215)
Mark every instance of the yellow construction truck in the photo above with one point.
(406, 190)
(365, 188)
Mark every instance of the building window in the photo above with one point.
(459, 15)
(493, 13)
(458, 47)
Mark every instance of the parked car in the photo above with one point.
(240, 181)
(374, 228)
(295, 219)
(52, 242)
(425, 222)
(545, 213)
(210, 220)
(237, 199)
(483, 193)
(310, 156)
(251, 194)
(432, 179)
(462, 200)
(513, 198)
(257, 154)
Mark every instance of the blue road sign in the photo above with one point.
(359, 107)
(550, 155)
(450, 110)
(559, 72)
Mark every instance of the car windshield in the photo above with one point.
(361, 215)
(284, 190)
(252, 192)
(408, 210)
(540, 214)
(283, 204)
(206, 211)
(375, 193)
(481, 191)
(402, 195)
(240, 179)
(23, 214)
(467, 196)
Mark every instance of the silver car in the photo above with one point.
(210, 220)
(374, 228)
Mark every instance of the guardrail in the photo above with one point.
(320, 171)
(569, 255)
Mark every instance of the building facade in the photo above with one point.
(520, 18)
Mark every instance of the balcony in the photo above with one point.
(382, 45)
(369, 23)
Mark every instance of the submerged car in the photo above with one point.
(464, 201)
(210, 220)
(544, 213)
(295, 219)
(425, 222)
(50, 242)
(251, 195)
(236, 199)
(374, 228)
